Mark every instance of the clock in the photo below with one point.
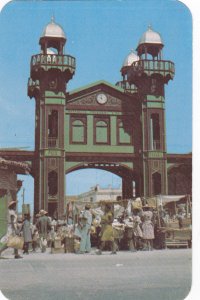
(102, 98)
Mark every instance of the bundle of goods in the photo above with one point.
(172, 223)
(70, 242)
(118, 230)
(76, 245)
(57, 246)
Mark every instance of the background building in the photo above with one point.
(98, 193)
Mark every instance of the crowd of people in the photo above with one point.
(133, 231)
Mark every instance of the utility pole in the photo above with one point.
(23, 193)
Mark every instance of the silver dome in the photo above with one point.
(53, 30)
(150, 37)
(130, 59)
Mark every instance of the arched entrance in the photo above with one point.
(85, 180)
(120, 173)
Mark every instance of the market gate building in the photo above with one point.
(118, 128)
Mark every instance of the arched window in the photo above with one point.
(78, 130)
(123, 134)
(155, 143)
(101, 132)
(53, 183)
(53, 124)
(53, 129)
(156, 183)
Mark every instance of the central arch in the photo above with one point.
(124, 172)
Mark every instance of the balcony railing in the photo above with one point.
(53, 60)
(52, 142)
(163, 66)
(131, 88)
(156, 145)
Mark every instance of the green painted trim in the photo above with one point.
(54, 95)
(94, 84)
(93, 112)
(53, 152)
(3, 215)
(72, 164)
(155, 154)
(61, 68)
(113, 130)
(90, 130)
(56, 101)
(155, 98)
(155, 105)
(99, 148)
(161, 72)
(67, 126)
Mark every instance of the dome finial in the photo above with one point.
(52, 19)
(53, 30)
(150, 27)
(130, 59)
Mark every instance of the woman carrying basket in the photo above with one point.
(11, 230)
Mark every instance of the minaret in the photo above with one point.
(150, 73)
(50, 71)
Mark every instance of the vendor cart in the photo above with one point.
(176, 237)
(175, 234)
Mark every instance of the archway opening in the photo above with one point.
(87, 183)
(100, 183)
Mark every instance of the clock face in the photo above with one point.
(102, 98)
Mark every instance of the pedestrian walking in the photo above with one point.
(107, 230)
(137, 231)
(85, 222)
(43, 224)
(147, 227)
(12, 229)
(27, 234)
(35, 234)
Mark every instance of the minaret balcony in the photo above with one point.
(65, 63)
(127, 87)
(164, 68)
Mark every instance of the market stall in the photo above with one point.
(9, 186)
(174, 220)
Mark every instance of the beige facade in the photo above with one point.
(97, 193)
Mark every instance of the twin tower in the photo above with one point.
(118, 128)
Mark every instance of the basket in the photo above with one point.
(118, 232)
(16, 242)
(57, 243)
(76, 245)
(69, 244)
(173, 224)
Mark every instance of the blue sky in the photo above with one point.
(99, 34)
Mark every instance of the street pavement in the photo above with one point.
(143, 275)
